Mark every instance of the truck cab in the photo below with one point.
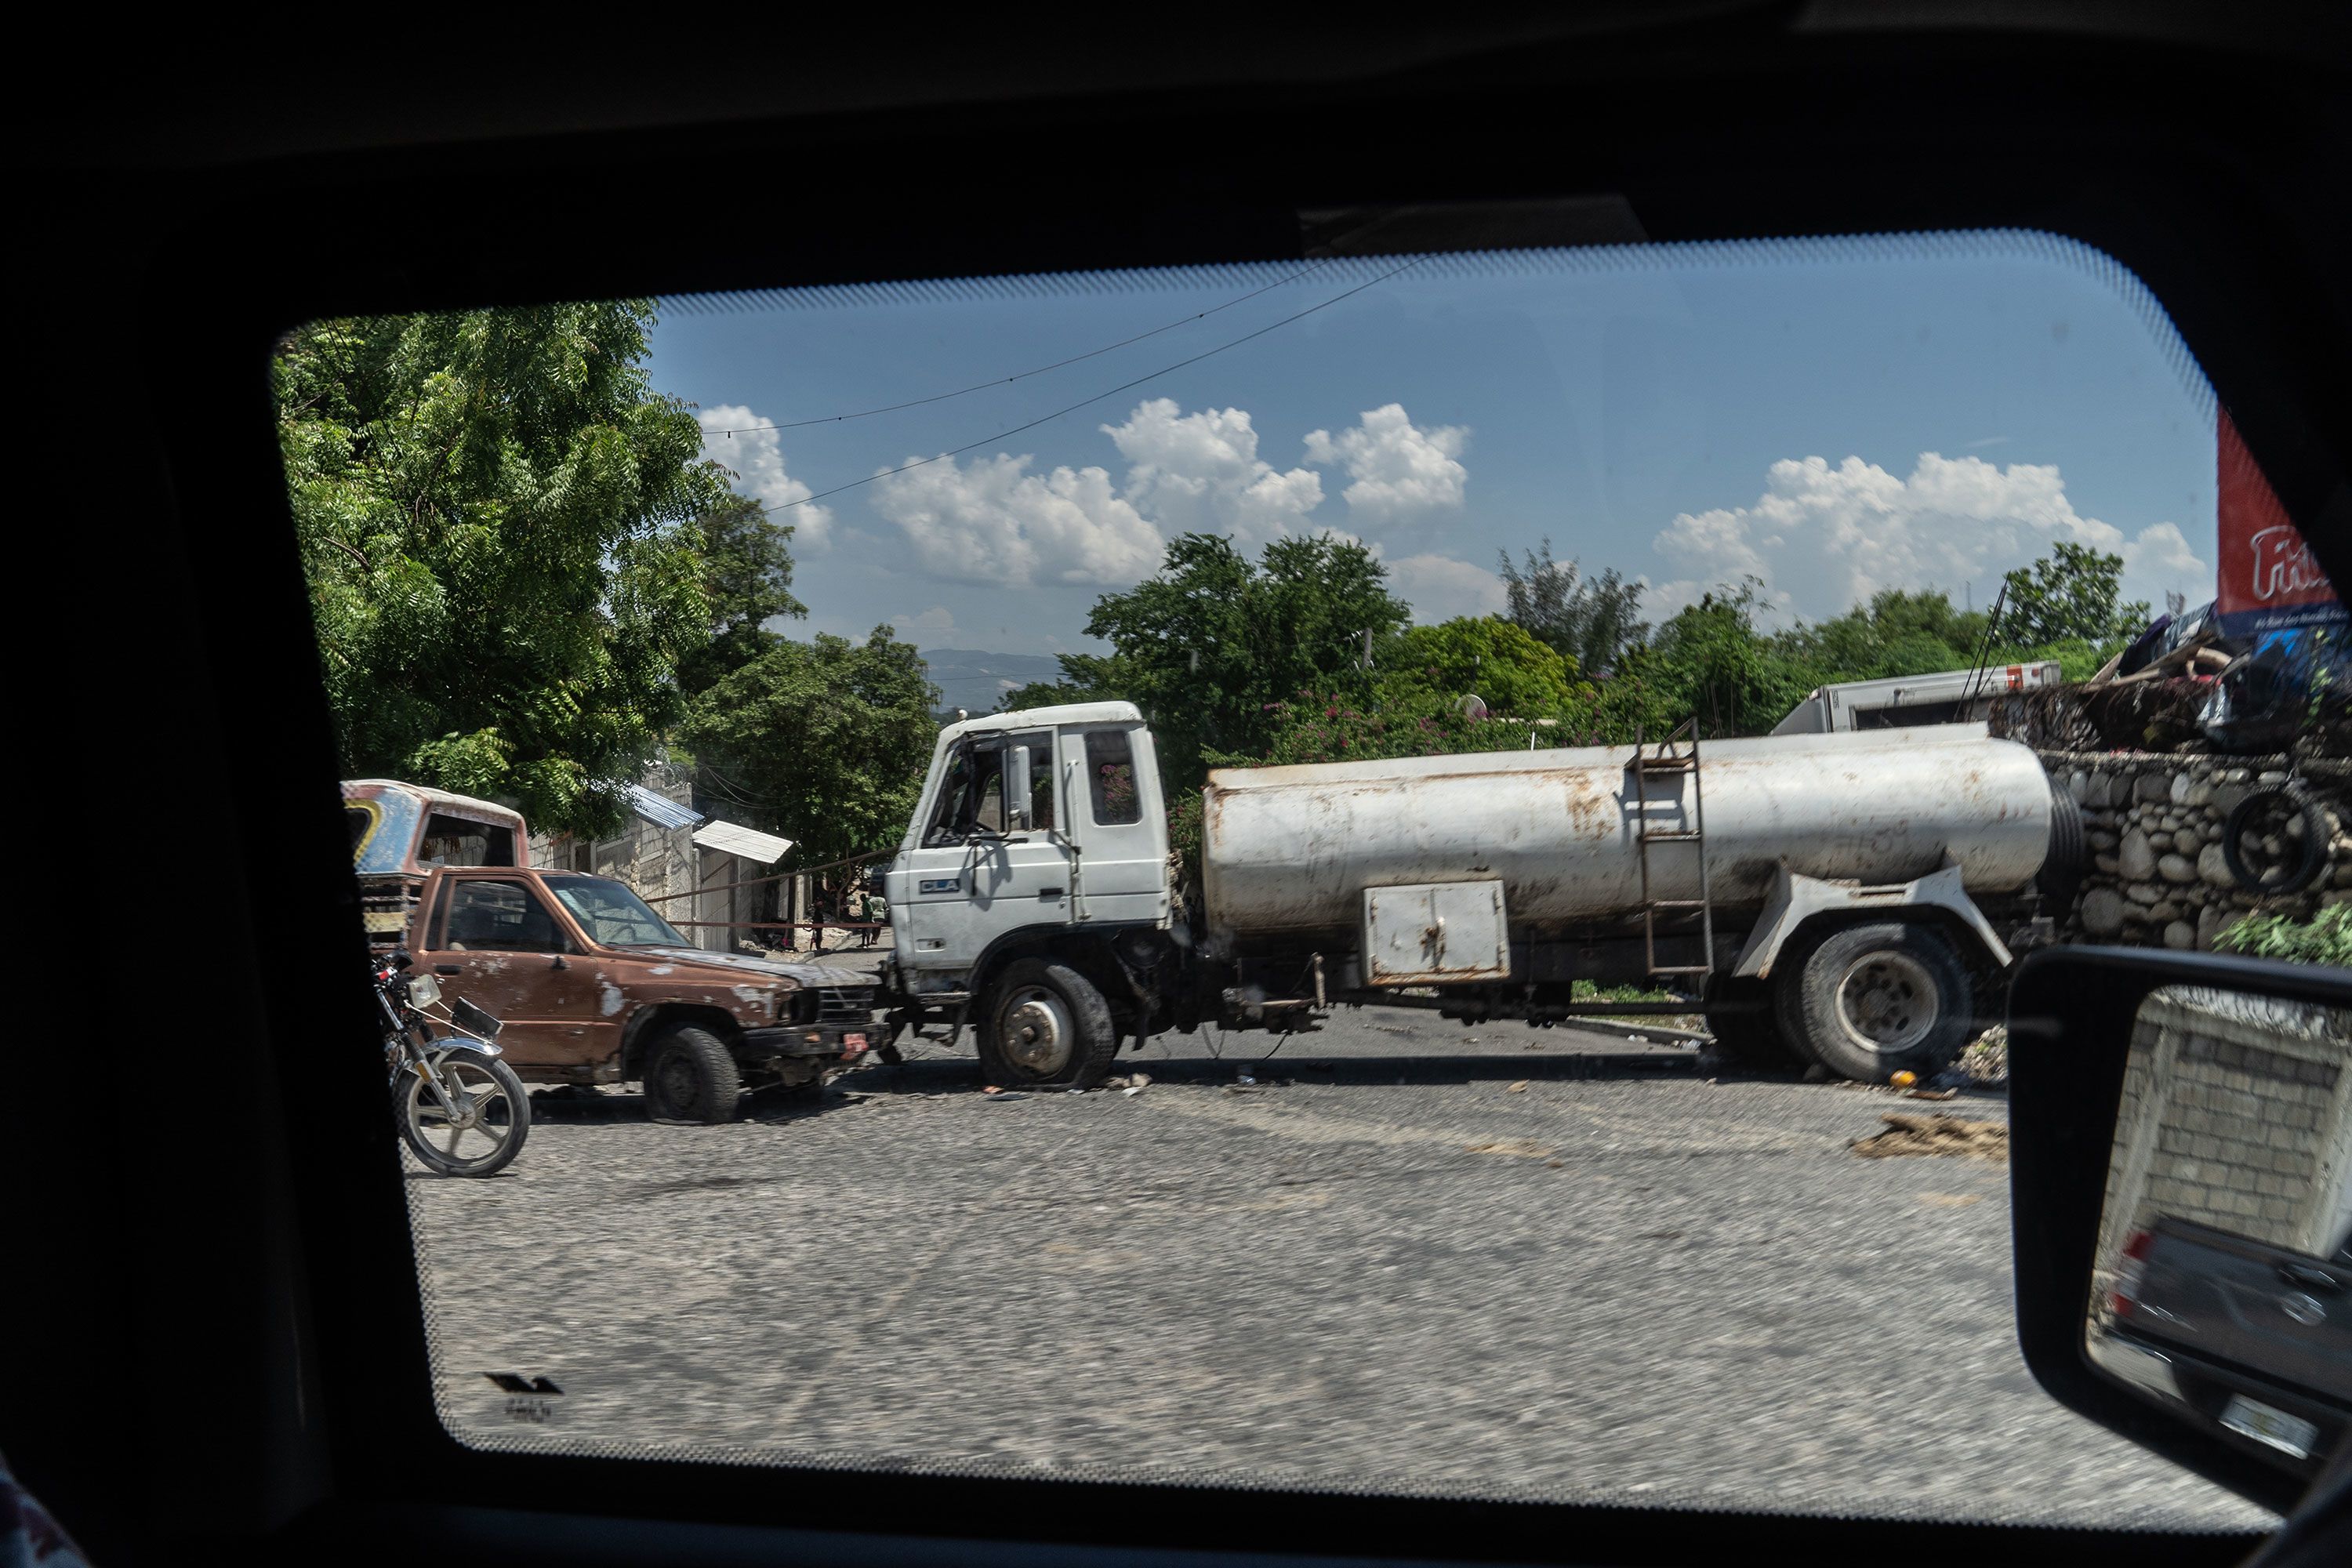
(1039, 834)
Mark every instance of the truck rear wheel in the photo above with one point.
(690, 1077)
(1046, 1027)
(1753, 1038)
(1870, 1001)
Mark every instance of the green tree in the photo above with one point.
(2070, 593)
(746, 579)
(1496, 660)
(495, 515)
(1211, 644)
(1590, 621)
(1710, 662)
(824, 742)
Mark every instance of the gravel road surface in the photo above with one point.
(1502, 1262)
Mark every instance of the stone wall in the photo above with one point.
(2156, 876)
(2236, 1113)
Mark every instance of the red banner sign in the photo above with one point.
(2268, 579)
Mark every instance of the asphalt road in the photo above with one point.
(1501, 1262)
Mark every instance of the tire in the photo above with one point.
(690, 1077)
(2299, 873)
(1870, 1001)
(1752, 1040)
(1046, 1027)
(2061, 877)
(496, 1112)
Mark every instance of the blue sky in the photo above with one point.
(1831, 418)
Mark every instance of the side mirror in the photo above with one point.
(2180, 1205)
(1015, 789)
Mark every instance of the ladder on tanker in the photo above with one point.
(1675, 755)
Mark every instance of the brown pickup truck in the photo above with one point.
(594, 987)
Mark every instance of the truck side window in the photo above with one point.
(1041, 781)
(1110, 778)
(500, 917)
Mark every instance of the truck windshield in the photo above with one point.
(611, 914)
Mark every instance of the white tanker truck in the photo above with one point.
(1853, 899)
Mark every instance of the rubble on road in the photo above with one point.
(1940, 1133)
(1986, 1059)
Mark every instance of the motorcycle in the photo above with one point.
(453, 1088)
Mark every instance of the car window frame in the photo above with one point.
(351, 1214)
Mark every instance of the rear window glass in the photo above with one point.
(454, 841)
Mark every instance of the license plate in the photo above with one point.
(852, 1043)
(2289, 1433)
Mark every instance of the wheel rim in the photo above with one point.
(673, 1081)
(1888, 1002)
(485, 1120)
(1034, 1031)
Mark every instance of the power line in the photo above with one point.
(1100, 396)
(1008, 380)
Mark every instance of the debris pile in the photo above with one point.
(1958, 1136)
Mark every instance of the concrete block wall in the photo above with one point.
(2236, 1114)
(2156, 876)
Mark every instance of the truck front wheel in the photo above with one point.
(1870, 1001)
(1046, 1027)
(690, 1077)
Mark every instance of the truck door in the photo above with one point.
(496, 943)
(979, 869)
(1112, 792)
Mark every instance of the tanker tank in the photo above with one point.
(1291, 850)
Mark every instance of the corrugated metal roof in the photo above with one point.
(732, 838)
(659, 809)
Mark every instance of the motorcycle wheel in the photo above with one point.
(493, 1119)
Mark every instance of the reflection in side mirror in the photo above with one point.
(2221, 1286)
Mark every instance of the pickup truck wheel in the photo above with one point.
(1753, 1039)
(1046, 1027)
(690, 1077)
(1870, 1001)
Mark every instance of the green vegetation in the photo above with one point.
(826, 741)
(1213, 646)
(495, 513)
(2326, 938)
(528, 581)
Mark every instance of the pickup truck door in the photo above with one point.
(968, 880)
(497, 942)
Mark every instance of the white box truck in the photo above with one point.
(1900, 701)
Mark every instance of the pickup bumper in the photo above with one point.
(843, 1042)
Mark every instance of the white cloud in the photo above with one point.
(1439, 587)
(1824, 538)
(2162, 557)
(758, 456)
(1199, 473)
(935, 627)
(994, 522)
(1402, 473)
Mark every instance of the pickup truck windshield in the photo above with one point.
(612, 915)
